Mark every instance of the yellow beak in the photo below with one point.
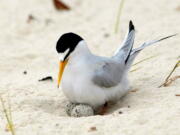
(62, 65)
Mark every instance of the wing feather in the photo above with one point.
(108, 75)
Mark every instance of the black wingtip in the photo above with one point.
(131, 26)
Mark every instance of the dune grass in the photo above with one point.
(169, 80)
(133, 70)
(119, 16)
(143, 60)
(8, 115)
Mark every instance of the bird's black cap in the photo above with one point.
(67, 41)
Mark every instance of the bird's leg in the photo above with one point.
(103, 109)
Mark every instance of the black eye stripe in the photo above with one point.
(67, 55)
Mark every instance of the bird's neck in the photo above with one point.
(81, 50)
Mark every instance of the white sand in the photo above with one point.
(38, 108)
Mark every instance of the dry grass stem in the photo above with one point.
(144, 60)
(118, 16)
(141, 62)
(169, 80)
(135, 69)
(134, 90)
(10, 126)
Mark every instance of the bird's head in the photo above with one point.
(65, 46)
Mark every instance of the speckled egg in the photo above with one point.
(69, 107)
(82, 110)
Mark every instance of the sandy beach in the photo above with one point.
(28, 54)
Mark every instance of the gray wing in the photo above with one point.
(109, 74)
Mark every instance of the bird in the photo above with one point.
(94, 80)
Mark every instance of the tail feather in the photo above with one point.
(127, 45)
(150, 43)
(136, 51)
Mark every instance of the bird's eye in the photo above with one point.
(64, 55)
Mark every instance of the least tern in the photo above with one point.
(89, 79)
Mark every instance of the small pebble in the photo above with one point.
(57, 124)
(92, 129)
(30, 18)
(120, 112)
(106, 35)
(25, 72)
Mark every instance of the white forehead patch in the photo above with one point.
(63, 55)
